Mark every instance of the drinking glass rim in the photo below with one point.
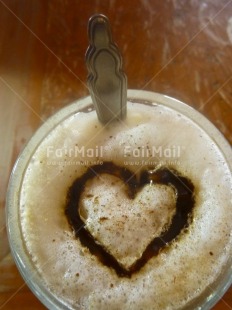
(19, 252)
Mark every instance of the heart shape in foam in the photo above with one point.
(125, 226)
(124, 220)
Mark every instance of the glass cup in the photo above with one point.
(23, 260)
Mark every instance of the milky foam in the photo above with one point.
(167, 281)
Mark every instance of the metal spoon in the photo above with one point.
(107, 82)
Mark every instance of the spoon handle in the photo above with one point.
(106, 81)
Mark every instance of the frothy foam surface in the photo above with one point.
(150, 136)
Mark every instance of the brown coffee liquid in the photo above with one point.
(180, 221)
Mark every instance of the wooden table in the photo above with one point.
(176, 47)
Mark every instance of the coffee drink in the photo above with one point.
(133, 215)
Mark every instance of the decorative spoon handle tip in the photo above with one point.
(106, 80)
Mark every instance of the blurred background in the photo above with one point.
(176, 47)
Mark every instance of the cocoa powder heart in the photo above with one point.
(125, 226)
(149, 246)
